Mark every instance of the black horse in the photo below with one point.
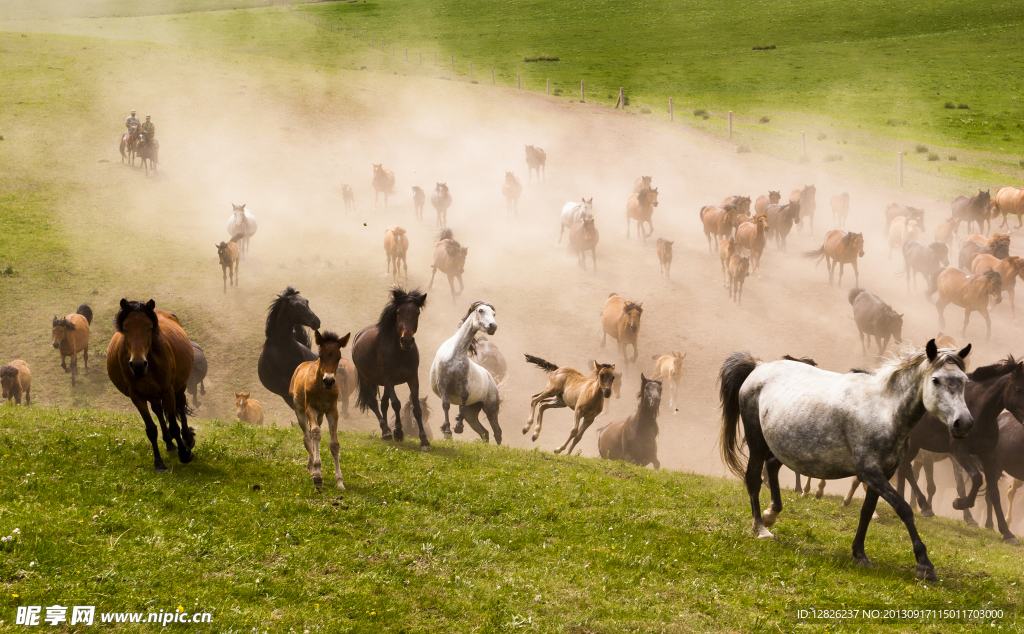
(635, 438)
(287, 343)
(973, 209)
(926, 260)
(991, 389)
(195, 384)
(876, 319)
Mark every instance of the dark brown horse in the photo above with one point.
(998, 245)
(149, 152)
(780, 222)
(385, 355)
(876, 319)
(973, 210)
(838, 250)
(635, 438)
(287, 342)
(450, 259)
(762, 202)
(991, 389)
(971, 292)
(926, 260)
(149, 360)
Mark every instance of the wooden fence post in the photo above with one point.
(730, 124)
(803, 145)
(583, 94)
(621, 101)
(453, 62)
(519, 82)
(549, 85)
(901, 169)
(492, 75)
(470, 68)
(671, 113)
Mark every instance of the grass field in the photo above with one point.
(469, 538)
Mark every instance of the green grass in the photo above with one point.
(466, 538)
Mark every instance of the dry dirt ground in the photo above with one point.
(284, 138)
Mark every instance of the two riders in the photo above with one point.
(147, 129)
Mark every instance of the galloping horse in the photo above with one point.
(839, 249)
(621, 319)
(635, 438)
(511, 189)
(571, 212)
(752, 236)
(718, 222)
(149, 360)
(583, 237)
(314, 390)
(1010, 200)
(1009, 270)
(441, 200)
(780, 222)
(973, 210)
(196, 384)
(149, 151)
(242, 222)
(456, 378)
(536, 159)
(348, 198)
(669, 367)
(71, 335)
(227, 253)
(450, 259)
(827, 425)
(385, 355)
(926, 260)
(383, 183)
(396, 245)
(664, 248)
(568, 387)
(875, 318)
(739, 270)
(287, 343)
(418, 198)
(762, 202)
(640, 207)
(970, 292)
(840, 209)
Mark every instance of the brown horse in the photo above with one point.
(640, 207)
(583, 237)
(248, 410)
(450, 259)
(568, 387)
(228, 254)
(780, 222)
(149, 360)
(753, 236)
(621, 320)
(839, 249)
(762, 202)
(973, 210)
(348, 198)
(805, 197)
(998, 245)
(895, 210)
(718, 222)
(536, 159)
(419, 197)
(1009, 270)
(71, 335)
(635, 438)
(669, 367)
(511, 189)
(129, 146)
(644, 182)
(726, 249)
(385, 354)
(1010, 200)
(441, 200)
(396, 245)
(742, 204)
(970, 292)
(149, 151)
(739, 270)
(383, 183)
(16, 381)
(665, 256)
(314, 390)
(947, 232)
(840, 209)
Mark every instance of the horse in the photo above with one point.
(287, 343)
(669, 367)
(511, 189)
(568, 387)
(805, 197)
(71, 335)
(484, 353)
(242, 222)
(314, 390)
(419, 197)
(1008, 451)
(896, 210)
(571, 212)
(926, 260)
(196, 378)
(621, 319)
(383, 183)
(536, 159)
(827, 425)
(970, 292)
(149, 360)
(998, 245)
(742, 204)
(584, 237)
(149, 151)
(16, 381)
(1009, 270)
(248, 410)
(902, 231)
(947, 232)
(762, 202)
(991, 389)
(644, 182)
(839, 249)
(129, 146)
(455, 378)
(726, 249)
(385, 355)
(664, 248)
(753, 236)
(640, 207)
(635, 438)
(346, 378)
(408, 420)
(973, 210)
(780, 222)
(876, 319)
(348, 198)
(1010, 200)
(441, 200)
(840, 209)
(718, 222)
(450, 259)
(228, 254)
(396, 245)
(739, 270)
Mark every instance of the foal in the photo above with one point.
(665, 256)
(229, 255)
(568, 387)
(635, 439)
(396, 245)
(314, 391)
(71, 336)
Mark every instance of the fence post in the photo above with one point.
(901, 169)
(453, 62)
(671, 113)
(407, 55)
(435, 58)
(730, 124)
(492, 75)
(583, 94)
(470, 68)
(621, 101)
(803, 145)
(549, 85)
(519, 82)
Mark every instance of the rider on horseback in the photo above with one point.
(149, 129)
(132, 123)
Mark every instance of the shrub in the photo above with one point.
(541, 58)
(963, 106)
(769, 47)
(1021, 163)
(645, 110)
(932, 156)
(950, 105)
(743, 149)
(473, 81)
(952, 157)
(894, 122)
(705, 117)
(822, 136)
(9, 270)
(700, 112)
(764, 120)
(921, 149)
(558, 91)
(832, 158)
(625, 100)
(1007, 137)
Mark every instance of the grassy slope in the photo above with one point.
(471, 538)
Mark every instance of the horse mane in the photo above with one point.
(848, 239)
(631, 306)
(1000, 368)
(274, 314)
(7, 371)
(389, 315)
(329, 337)
(62, 321)
(133, 307)
(453, 245)
(909, 358)
(807, 360)
(475, 339)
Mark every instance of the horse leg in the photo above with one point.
(988, 325)
(224, 273)
(553, 402)
(963, 456)
(165, 434)
(797, 488)
(1011, 493)
(574, 433)
(759, 454)
(384, 400)
(433, 273)
(906, 471)
(807, 487)
(151, 432)
(992, 473)
(451, 285)
(940, 306)
(472, 417)
(771, 468)
(385, 431)
(491, 411)
(314, 419)
(446, 429)
(929, 476)
(300, 414)
(820, 493)
(853, 489)
(85, 359)
(406, 265)
(878, 486)
(332, 422)
(74, 367)
(397, 406)
(562, 230)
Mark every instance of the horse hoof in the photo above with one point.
(186, 458)
(559, 450)
(447, 435)
(927, 513)
(318, 481)
(399, 435)
(385, 435)
(926, 573)
(960, 504)
(160, 469)
(1012, 541)
(425, 447)
(341, 485)
(769, 517)
(459, 428)
(864, 562)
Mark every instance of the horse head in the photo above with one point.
(650, 393)
(1013, 395)
(1000, 245)
(632, 312)
(652, 197)
(774, 197)
(403, 315)
(605, 377)
(8, 375)
(894, 324)
(482, 314)
(61, 327)
(588, 207)
(994, 283)
(223, 254)
(941, 252)
(298, 309)
(137, 322)
(1016, 265)
(943, 390)
(761, 220)
(241, 403)
(510, 178)
(855, 241)
(442, 189)
(329, 347)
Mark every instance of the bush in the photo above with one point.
(921, 149)
(700, 113)
(706, 117)
(950, 105)
(822, 136)
(743, 149)
(473, 81)
(541, 58)
(557, 91)
(645, 110)
(764, 120)
(952, 157)
(769, 47)
(894, 122)
(8, 271)
(932, 156)
(1021, 163)
(832, 158)
(963, 106)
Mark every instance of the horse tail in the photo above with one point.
(547, 366)
(446, 234)
(817, 253)
(735, 370)
(238, 237)
(367, 393)
(86, 312)
(854, 292)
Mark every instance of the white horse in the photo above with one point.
(456, 378)
(571, 212)
(830, 426)
(243, 223)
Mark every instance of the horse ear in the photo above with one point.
(344, 340)
(243, 206)
(238, 394)
(643, 379)
(318, 338)
(124, 303)
(593, 364)
(150, 305)
(245, 394)
(932, 350)
(963, 354)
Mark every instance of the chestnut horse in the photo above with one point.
(739, 270)
(640, 207)
(752, 236)
(669, 367)
(1009, 270)
(947, 231)
(621, 320)
(511, 189)
(718, 222)
(248, 410)
(383, 183)
(840, 209)
(71, 335)
(970, 292)
(762, 202)
(314, 390)
(419, 197)
(149, 360)
(665, 256)
(1010, 200)
(536, 159)
(568, 387)
(396, 245)
(635, 438)
(583, 237)
(228, 254)
(839, 249)
(16, 380)
(450, 259)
